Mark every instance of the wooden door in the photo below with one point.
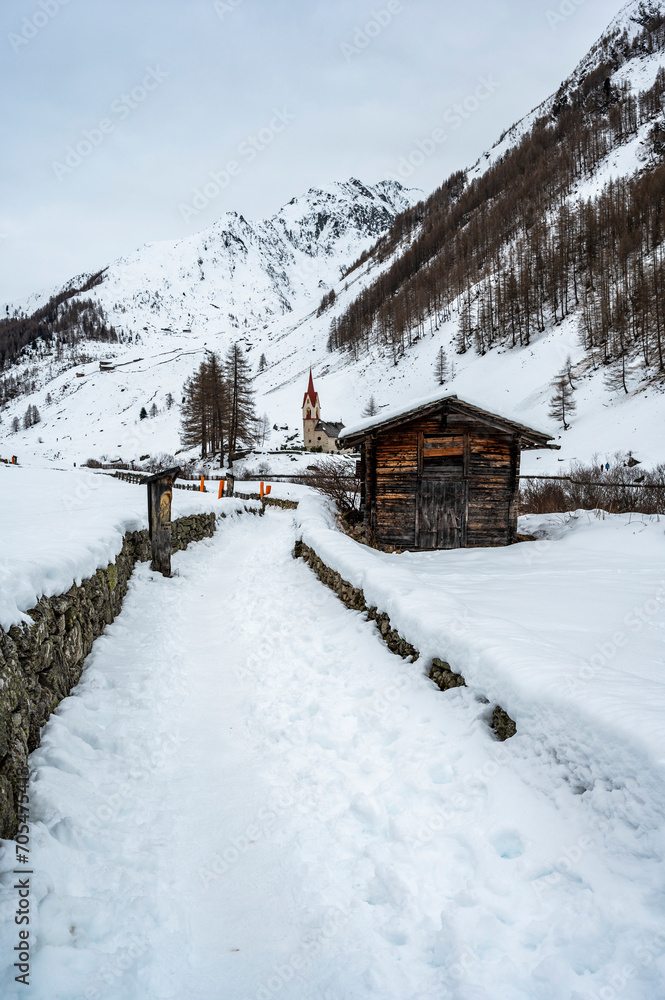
(441, 514)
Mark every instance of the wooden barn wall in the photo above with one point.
(397, 483)
(491, 490)
(492, 468)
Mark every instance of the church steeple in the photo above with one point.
(311, 413)
(318, 435)
(311, 407)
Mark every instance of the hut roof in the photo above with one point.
(449, 404)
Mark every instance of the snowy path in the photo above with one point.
(250, 797)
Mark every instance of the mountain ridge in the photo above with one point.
(328, 213)
(308, 252)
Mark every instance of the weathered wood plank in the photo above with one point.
(439, 471)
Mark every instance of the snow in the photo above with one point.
(379, 420)
(61, 527)
(260, 283)
(249, 796)
(567, 634)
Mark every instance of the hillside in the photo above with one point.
(553, 239)
(549, 247)
(154, 313)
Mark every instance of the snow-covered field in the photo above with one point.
(248, 796)
(60, 527)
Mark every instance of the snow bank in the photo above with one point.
(61, 527)
(566, 633)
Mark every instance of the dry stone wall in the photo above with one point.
(440, 672)
(41, 663)
(268, 501)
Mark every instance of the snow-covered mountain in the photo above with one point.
(247, 273)
(639, 71)
(262, 283)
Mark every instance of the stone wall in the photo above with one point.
(440, 672)
(41, 663)
(268, 501)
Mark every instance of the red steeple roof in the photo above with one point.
(313, 396)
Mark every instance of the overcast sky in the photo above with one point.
(291, 93)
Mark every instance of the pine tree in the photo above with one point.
(193, 416)
(263, 363)
(241, 398)
(615, 375)
(262, 430)
(371, 408)
(153, 410)
(327, 302)
(442, 370)
(143, 415)
(562, 403)
(216, 395)
(31, 417)
(205, 409)
(170, 401)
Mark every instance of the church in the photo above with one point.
(318, 434)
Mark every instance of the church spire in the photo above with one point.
(311, 393)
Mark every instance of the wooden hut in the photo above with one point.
(442, 475)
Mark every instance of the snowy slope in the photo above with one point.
(641, 72)
(241, 274)
(262, 283)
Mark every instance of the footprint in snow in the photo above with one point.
(508, 844)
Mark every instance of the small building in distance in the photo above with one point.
(318, 435)
(441, 474)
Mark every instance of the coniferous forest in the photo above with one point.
(514, 250)
(65, 319)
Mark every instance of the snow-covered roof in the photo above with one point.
(420, 407)
(332, 430)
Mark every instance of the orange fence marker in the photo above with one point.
(203, 484)
(221, 489)
(268, 490)
(261, 489)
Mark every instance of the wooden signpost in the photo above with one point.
(160, 494)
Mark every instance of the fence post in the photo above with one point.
(160, 494)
